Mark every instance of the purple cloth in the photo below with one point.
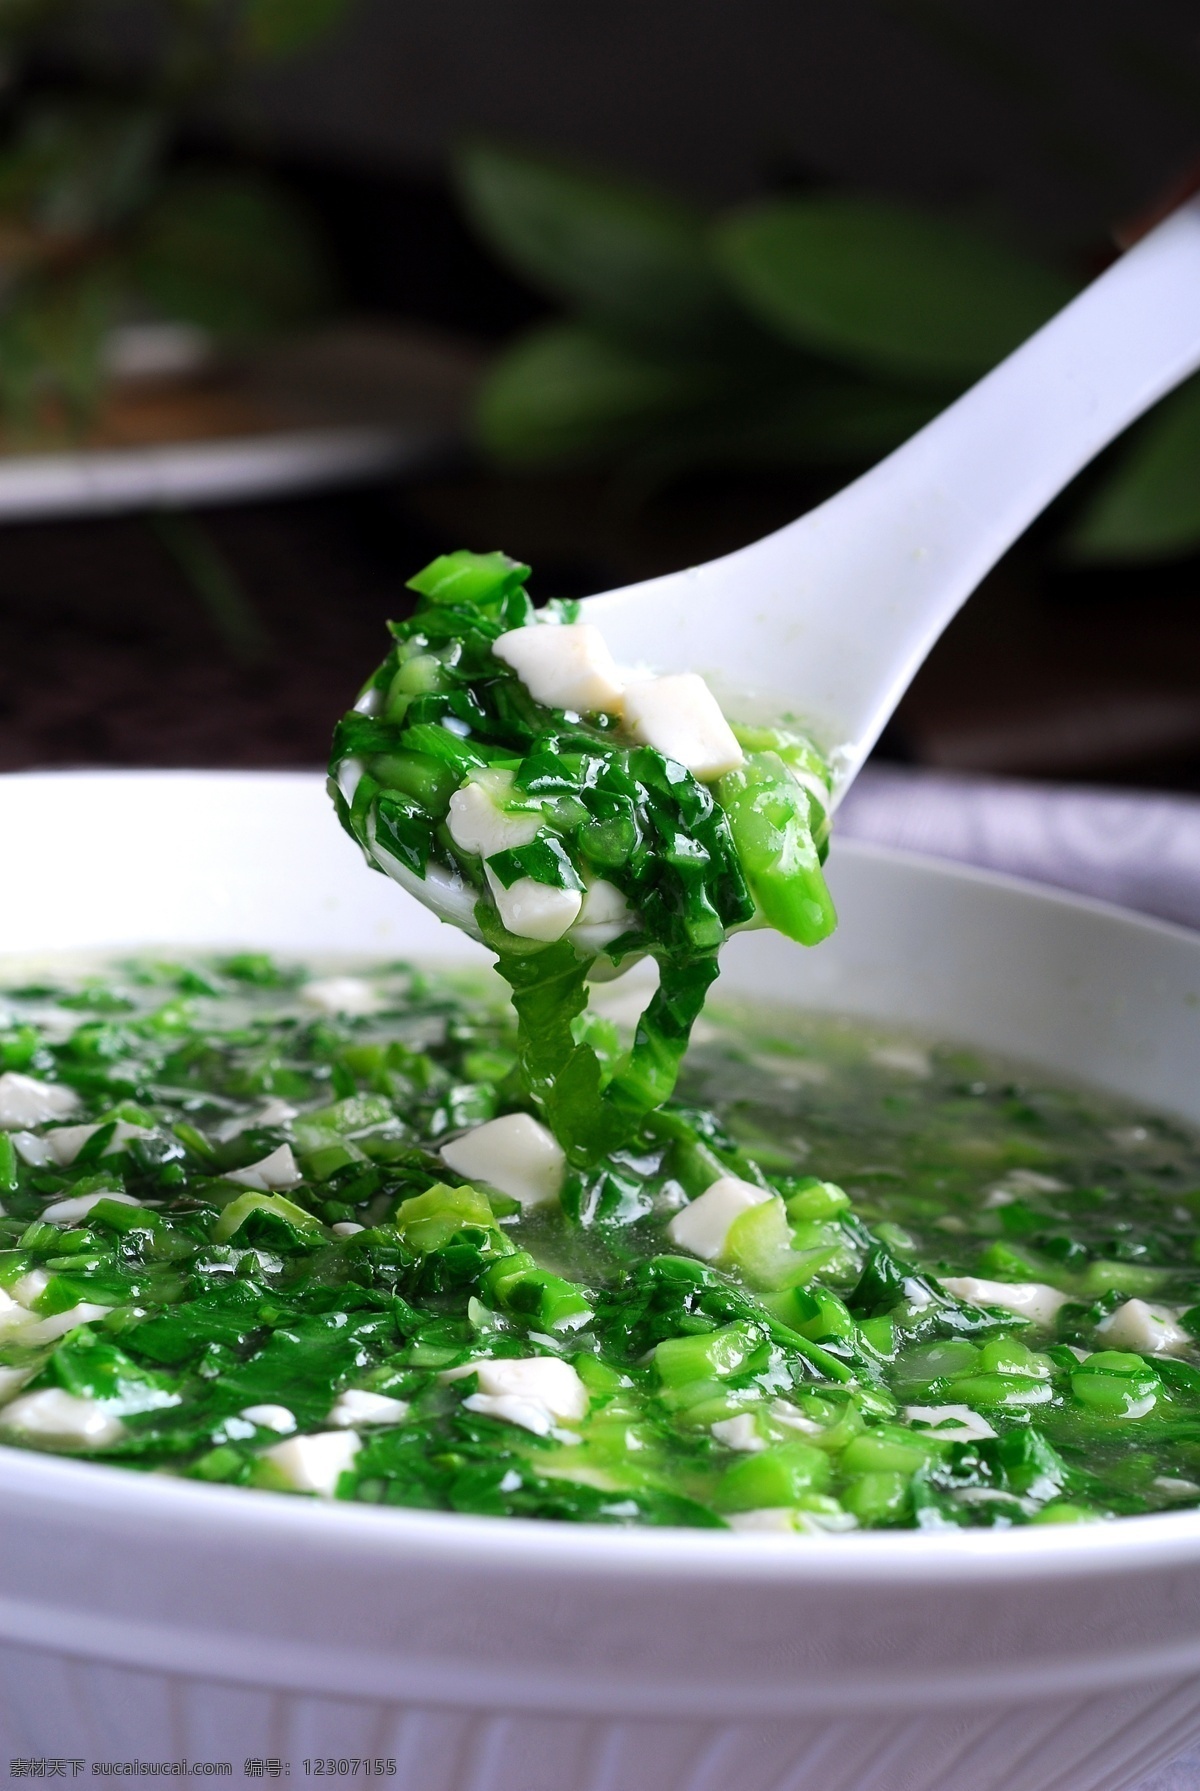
(1182, 1775)
(1140, 851)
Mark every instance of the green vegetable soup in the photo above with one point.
(232, 1251)
(382, 1234)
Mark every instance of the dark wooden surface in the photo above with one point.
(110, 655)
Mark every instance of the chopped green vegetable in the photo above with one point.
(821, 1365)
(687, 862)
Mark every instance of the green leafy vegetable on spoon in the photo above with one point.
(501, 767)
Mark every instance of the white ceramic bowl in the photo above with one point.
(152, 1619)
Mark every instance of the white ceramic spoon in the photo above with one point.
(828, 619)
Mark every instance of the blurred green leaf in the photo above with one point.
(885, 288)
(823, 420)
(811, 424)
(78, 169)
(628, 259)
(52, 336)
(566, 394)
(231, 254)
(281, 27)
(1149, 506)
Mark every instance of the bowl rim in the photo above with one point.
(115, 1494)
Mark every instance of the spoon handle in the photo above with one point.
(966, 486)
(829, 618)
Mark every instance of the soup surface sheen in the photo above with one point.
(841, 1280)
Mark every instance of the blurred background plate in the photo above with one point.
(341, 406)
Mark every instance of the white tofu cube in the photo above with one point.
(1175, 1488)
(47, 1330)
(739, 1432)
(768, 1520)
(478, 821)
(31, 1149)
(64, 1143)
(603, 902)
(680, 717)
(358, 1406)
(270, 1417)
(534, 910)
(446, 1375)
(272, 1113)
(124, 1132)
(338, 995)
(1144, 1329)
(275, 1112)
(443, 891)
(567, 667)
(55, 1416)
(69, 1212)
(516, 1154)
(314, 1464)
(270, 1174)
(604, 916)
(24, 1101)
(349, 773)
(12, 1380)
(545, 1380)
(509, 1408)
(783, 1412)
(15, 1312)
(1028, 1299)
(28, 1289)
(703, 1225)
(955, 1423)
